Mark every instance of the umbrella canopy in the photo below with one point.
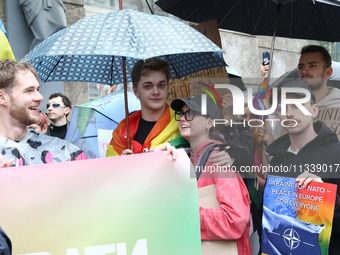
(102, 113)
(92, 49)
(302, 19)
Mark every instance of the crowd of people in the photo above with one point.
(27, 138)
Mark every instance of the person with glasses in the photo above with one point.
(58, 108)
(231, 220)
(19, 102)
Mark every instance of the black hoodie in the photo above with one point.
(323, 149)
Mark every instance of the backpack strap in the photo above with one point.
(202, 160)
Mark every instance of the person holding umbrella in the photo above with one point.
(154, 124)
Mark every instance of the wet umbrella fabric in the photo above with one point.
(302, 19)
(91, 50)
(102, 113)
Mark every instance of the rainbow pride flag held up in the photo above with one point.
(261, 99)
(5, 48)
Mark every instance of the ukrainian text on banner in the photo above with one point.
(129, 205)
(296, 220)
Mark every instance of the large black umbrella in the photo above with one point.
(302, 19)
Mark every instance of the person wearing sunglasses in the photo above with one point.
(58, 108)
(231, 219)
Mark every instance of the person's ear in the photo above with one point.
(210, 123)
(67, 110)
(44, 129)
(315, 110)
(328, 72)
(135, 91)
(3, 97)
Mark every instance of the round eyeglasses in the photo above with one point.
(188, 115)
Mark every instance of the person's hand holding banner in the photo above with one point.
(141, 204)
(170, 150)
(297, 218)
(4, 162)
(306, 177)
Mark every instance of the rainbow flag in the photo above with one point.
(261, 99)
(5, 48)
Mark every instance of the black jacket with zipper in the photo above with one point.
(322, 151)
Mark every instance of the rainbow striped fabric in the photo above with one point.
(5, 48)
(261, 99)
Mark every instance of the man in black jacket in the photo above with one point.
(308, 144)
(58, 108)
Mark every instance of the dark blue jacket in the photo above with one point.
(5, 244)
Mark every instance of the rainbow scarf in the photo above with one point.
(165, 129)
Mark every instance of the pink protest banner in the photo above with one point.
(128, 205)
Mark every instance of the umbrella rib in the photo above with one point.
(225, 16)
(188, 17)
(105, 116)
(111, 69)
(258, 19)
(149, 6)
(173, 68)
(324, 20)
(54, 67)
(291, 20)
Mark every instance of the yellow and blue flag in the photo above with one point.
(5, 48)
